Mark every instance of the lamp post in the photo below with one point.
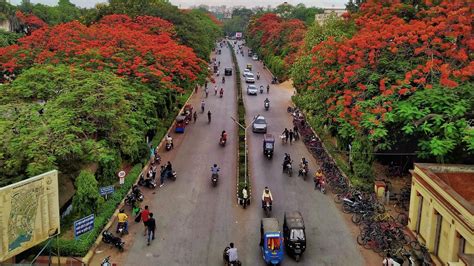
(245, 141)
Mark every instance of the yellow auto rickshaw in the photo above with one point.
(249, 66)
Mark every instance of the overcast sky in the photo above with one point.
(187, 3)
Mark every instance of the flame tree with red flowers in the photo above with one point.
(405, 76)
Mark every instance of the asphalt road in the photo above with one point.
(195, 221)
(329, 241)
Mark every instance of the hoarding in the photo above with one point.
(83, 225)
(29, 213)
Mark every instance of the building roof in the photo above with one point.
(456, 180)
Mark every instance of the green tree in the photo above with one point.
(87, 199)
(362, 157)
(8, 38)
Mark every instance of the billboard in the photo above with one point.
(29, 213)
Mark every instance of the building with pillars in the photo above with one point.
(441, 213)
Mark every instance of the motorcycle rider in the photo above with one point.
(215, 90)
(266, 101)
(215, 170)
(267, 196)
(318, 176)
(224, 136)
(221, 92)
(169, 140)
(286, 161)
(261, 88)
(232, 254)
(122, 220)
(303, 165)
(258, 75)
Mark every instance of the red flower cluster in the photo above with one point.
(434, 46)
(278, 36)
(31, 21)
(141, 48)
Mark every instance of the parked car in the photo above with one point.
(250, 53)
(249, 78)
(252, 90)
(255, 57)
(228, 71)
(259, 124)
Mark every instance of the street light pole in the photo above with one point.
(245, 145)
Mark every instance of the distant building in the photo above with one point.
(441, 211)
(320, 18)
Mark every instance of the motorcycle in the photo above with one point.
(106, 262)
(288, 168)
(147, 182)
(261, 89)
(225, 256)
(168, 146)
(222, 141)
(303, 171)
(322, 186)
(109, 238)
(121, 229)
(132, 198)
(214, 179)
(267, 105)
(267, 208)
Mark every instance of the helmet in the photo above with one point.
(215, 165)
(267, 190)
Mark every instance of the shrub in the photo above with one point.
(87, 198)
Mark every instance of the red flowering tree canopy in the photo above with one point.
(30, 21)
(365, 81)
(141, 48)
(277, 40)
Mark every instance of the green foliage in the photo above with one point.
(438, 118)
(8, 38)
(64, 11)
(87, 199)
(362, 157)
(109, 162)
(300, 11)
(89, 113)
(81, 246)
(332, 26)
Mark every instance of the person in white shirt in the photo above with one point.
(232, 253)
(267, 195)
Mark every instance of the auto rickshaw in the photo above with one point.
(249, 66)
(271, 241)
(180, 124)
(294, 234)
(268, 145)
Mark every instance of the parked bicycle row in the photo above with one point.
(380, 231)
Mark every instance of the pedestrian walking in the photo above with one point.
(205, 85)
(245, 196)
(295, 131)
(268, 88)
(215, 90)
(202, 105)
(206, 91)
(195, 116)
(287, 134)
(196, 89)
(209, 116)
(145, 217)
(291, 136)
(151, 226)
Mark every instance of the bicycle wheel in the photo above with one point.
(361, 240)
(338, 198)
(346, 208)
(356, 217)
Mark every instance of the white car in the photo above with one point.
(249, 78)
(246, 71)
(252, 90)
(259, 124)
(254, 57)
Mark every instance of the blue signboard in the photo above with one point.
(106, 190)
(83, 225)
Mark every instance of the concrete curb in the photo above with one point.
(90, 253)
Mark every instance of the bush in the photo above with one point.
(362, 158)
(109, 162)
(87, 198)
